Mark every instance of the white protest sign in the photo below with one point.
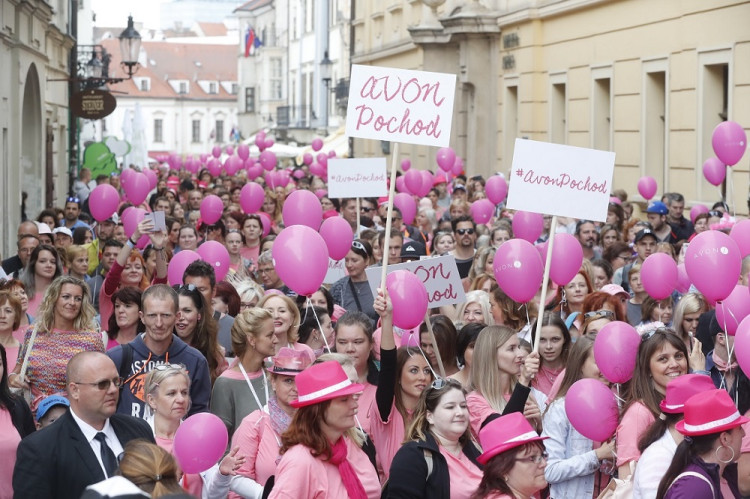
(336, 271)
(560, 180)
(439, 275)
(357, 178)
(398, 105)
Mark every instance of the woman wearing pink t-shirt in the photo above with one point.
(167, 391)
(440, 430)
(259, 435)
(404, 374)
(662, 356)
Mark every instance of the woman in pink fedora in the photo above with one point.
(318, 459)
(514, 459)
(660, 441)
(712, 430)
(259, 435)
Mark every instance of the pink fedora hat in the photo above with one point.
(680, 389)
(290, 362)
(321, 382)
(504, 433)
(710, 412)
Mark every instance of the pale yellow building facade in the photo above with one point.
(647, 79)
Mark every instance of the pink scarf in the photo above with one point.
(354, 488)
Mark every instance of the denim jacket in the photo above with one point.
(572, 462)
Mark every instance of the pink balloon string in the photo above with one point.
(309, 306)
(720, 303)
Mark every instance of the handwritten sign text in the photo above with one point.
(358, 177)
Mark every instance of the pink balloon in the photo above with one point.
(713, 263)
(338, 235)
(103, 201)
(413, 181)
(528, 226)
(126, 176)
(683, 281)
(733, 309)
(405, 165)
(740, 233)
(254, 170)
(482, 210)
(567, 256)
(647, 187)
(592, 409)
(615, 351)
(267, 160)
(203, 157)
(216, 152)
(714, 170)
(742, 344)
(178, 264)
(458, 167)
(427, 180)
(265, 219)
(302, 208)
(251, 197)
(317, 169)
(283, 178)
(211, 209)
(200, 442)
(138, 188)
(405, 203)
(214, 167)
(243, 151)
(131, 217)
(307, 158)
(301, 259)
(659, 276)
(729, 142)
(401, 184)
(322, 158)
(153, 179)
(496, 189)
(518, 269)
(298, 174)
(269, 142)
(317, 144)
(331, 154)
(445, 158)
(409, 298)
(697, 210)
(229, 150)
(217, 255)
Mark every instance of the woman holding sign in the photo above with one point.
(353, 292)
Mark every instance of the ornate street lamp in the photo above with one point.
(130, 47)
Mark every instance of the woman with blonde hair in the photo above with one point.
(476, 308)
(483, 260)
(286, 320)
(151, 468)
(686, 314)
(501, 376)
(64, 327)
(243, 388)
(78, 262)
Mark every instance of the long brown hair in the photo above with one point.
(305, 430)
(428, 402)
(204, 336)
(151, 468)
(579, 352)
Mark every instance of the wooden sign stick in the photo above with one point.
(391, 193)
(434, 344)
(545, 281)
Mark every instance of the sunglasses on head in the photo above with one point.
(647, 336)
(600, 314)
(189, 287)
(167, 367)
(72, 199)
(359, 246)
(461, 232)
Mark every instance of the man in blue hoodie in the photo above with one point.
(156, 347)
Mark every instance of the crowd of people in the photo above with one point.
(322, 395)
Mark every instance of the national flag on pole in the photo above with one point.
(249, 40)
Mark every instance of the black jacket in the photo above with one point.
(58, 462)
(408, 476)
(21, 416)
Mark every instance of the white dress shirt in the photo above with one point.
(90, 432)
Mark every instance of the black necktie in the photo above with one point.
(108, 457)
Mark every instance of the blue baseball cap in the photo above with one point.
(657, 207)
(48, 403)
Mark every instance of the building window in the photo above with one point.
(158, 130)
(235, 87)
(276, 78)
(145, 85)
(183, 87)
(196, 130)
(212, 88)
(250, 100)
(220, 130)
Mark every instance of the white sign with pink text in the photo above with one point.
(439, 275)
(357, 178)
(561, 180)
(399, 105)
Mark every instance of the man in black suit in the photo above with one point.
(80, 448)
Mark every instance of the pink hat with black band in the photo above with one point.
(710, 412)
(290, 362)
(505, 433)
(321, 382)
(680, 389)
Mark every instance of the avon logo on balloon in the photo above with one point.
(711, 251)
(513, 265)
